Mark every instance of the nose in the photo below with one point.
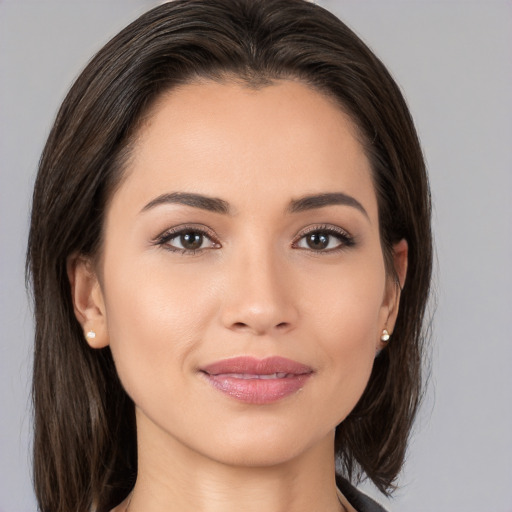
(259, 296)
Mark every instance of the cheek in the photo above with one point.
(347, 302)
(152, 320)
(344, 316)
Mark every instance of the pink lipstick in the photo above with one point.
(257, 381)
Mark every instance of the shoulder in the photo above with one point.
(360, 501)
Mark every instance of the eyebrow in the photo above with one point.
(322, 200)
(216, 205)
(212, 204)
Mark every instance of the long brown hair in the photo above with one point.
(85, 435)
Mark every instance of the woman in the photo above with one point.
(230, 251)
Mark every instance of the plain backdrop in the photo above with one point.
(453, 60)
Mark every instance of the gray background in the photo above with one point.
(453, 59)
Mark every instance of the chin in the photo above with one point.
(257, 454)
(269, 445)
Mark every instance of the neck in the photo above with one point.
(173, 477)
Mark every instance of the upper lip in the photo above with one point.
(253, 366)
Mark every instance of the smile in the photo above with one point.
(257, 381)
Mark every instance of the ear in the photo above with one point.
(394, 286)
(88, 302)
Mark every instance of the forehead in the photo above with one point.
(280, 141)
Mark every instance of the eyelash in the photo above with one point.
(164, 239)
(345, 239)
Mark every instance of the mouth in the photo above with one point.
(257, 381)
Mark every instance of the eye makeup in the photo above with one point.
(193, 239)
(324, 238)
(187, 239)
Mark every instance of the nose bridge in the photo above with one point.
(259, 299)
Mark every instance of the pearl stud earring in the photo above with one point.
(385, 335)
(90, 335)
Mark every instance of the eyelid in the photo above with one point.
(345, 238)
(163, 238)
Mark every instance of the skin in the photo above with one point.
(254, 288)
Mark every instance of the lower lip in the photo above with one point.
(258, 391)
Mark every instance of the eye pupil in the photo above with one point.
(318, 240)
(191, 240)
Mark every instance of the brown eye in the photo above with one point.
(191, 240)
(325, 240)
(187, 240)
(318, 241)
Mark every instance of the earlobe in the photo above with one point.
(88, 303)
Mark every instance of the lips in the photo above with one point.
(257, 381)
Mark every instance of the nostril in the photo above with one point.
(243, 326)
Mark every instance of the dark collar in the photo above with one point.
(357, 499)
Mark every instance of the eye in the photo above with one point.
(324, 239)
(187, 240)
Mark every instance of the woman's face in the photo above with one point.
(246, 227)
